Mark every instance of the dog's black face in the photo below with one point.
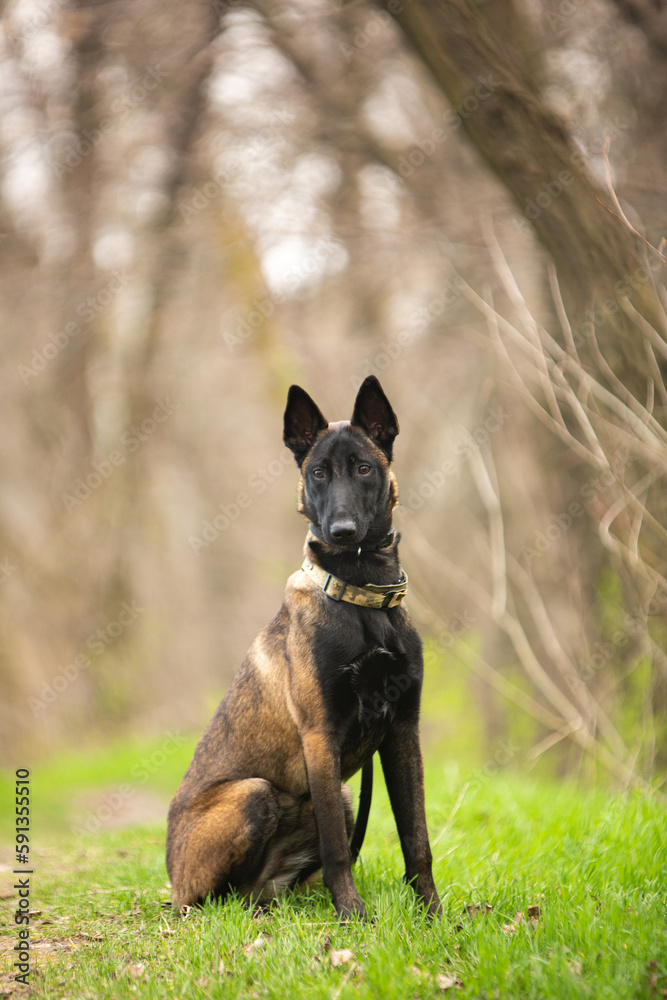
(343, 483)
(347, 490)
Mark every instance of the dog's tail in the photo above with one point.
(365, 796)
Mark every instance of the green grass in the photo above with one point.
(595, 864)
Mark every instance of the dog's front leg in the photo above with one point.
(323, 766)
(403, 768)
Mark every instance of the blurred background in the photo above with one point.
(202, 203)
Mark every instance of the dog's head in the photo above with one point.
(347, 489)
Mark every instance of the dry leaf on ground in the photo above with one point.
(533, 913)
(342, 957)
(444, 982)
(255, 945)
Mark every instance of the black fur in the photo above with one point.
(325, 685)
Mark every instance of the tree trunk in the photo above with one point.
(600, 261)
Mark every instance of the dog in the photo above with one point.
(335, 677)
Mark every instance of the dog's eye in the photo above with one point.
(364, 470)
(318, 473)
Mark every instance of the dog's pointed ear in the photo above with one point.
(302, 422)
(373, 413)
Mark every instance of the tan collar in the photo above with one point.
(371, 595)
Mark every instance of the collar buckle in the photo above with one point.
(341, 589)
(392, 600)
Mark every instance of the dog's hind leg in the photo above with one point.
(294, 854)
(300, 854)
(293, 849)
(220, 839)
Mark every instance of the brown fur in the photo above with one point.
(324, 686)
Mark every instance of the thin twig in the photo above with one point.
(516, 298)
(452, 814)
(559, 657)
(620, 214)
(496, 532)
(563, 319)
(550, 741)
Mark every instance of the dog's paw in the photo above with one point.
(433, 907)
(353, 910)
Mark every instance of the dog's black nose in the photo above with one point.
(343, 531)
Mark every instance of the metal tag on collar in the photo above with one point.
(382, 544)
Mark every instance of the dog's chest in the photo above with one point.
(376, 678)
(369, 691)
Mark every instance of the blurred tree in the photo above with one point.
(200, 205)
(601, 262)
(651, 18)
